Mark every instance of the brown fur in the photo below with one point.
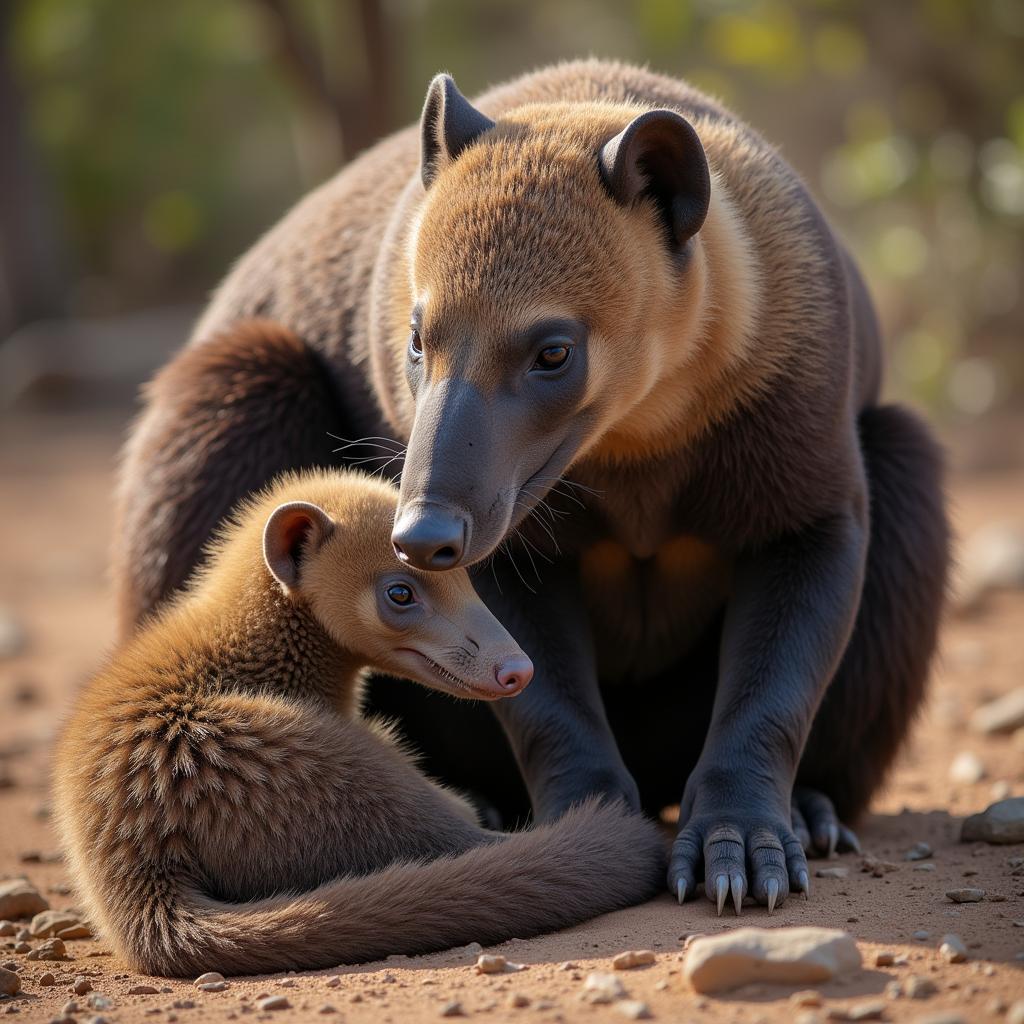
(225, 807)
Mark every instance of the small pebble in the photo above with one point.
(919, 987)
(634, 1009)
(517, 1000)
(836, 872)
(601, 987)
(273, 1003)
(806, 997)
(207, 978)
(47, 979)
(212, 986)
(965, 895)
(22, 947)
(98, 1001)
(866, 1011)
(953, 949)
(925, 866)
(633, 958)
(82, 985)
(69, 1008)
(921, 935)
(1001, 822)
(327, 1008)
(919, 851)
(1015, 1014)
(143, 990)
(491, 963)
(967, 768)
(884, 959)
(8, 928)
(453, 1008)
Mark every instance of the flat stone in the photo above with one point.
(1004, 714)
(47, 979)
(213, 986)
(273, 1003)
(953, 949)
(776, 955)
(143, 990)
(453, 1008)
(76, 931)
(1001, 822)
(919, 987)
(633, 958)
(965, 895)
(884, 959)
(208, 978)
(20, 899)
(634, 1009)
(48, 923)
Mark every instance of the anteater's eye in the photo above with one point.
(552, 357)
(400, 594)
(415, 345)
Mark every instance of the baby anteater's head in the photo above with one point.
(327, 544)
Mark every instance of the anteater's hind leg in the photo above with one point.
(870, 705)
(221, 420)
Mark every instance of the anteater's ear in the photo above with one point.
(659, 156)
(293, 532)
(448, 125)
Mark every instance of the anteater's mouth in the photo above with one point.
(450, 677)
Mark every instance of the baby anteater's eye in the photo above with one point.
(552, 357)
(400, 594)
(415, 345)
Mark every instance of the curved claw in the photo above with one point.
(805, 884)
(722, 890)
(849, 837)
(681, 891)
(772, 890)
(833, 839)
(737, 892)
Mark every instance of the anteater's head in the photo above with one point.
(554, 279)
(333, 553)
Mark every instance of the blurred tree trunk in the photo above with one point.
(32, 256)
(363, 114)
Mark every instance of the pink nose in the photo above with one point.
(514, 674)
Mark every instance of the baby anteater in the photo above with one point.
(224, 805)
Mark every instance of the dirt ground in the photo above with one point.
(55, 503)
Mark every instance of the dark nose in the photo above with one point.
(514, 674)
(430, 537)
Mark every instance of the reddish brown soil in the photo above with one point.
(55, 508)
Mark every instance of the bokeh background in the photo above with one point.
(144, 146)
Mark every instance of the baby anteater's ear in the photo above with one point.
(294, 532)
(448, 125)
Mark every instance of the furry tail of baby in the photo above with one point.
(596, 858)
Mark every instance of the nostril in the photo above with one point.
(514, 676)
(399, 552)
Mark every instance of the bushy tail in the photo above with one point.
(594, 859)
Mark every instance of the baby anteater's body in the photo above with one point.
(225, 807)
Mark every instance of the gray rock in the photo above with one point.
(1001, 822)
(273, 1003)
(453, 1008)
(919, 851)
(965, 895)
(1004, 714)
(602, 987)
(634, 1009)
(780, 955)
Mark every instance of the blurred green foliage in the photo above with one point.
(173, 134)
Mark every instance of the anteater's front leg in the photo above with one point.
(786, 627)
(557, 726)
